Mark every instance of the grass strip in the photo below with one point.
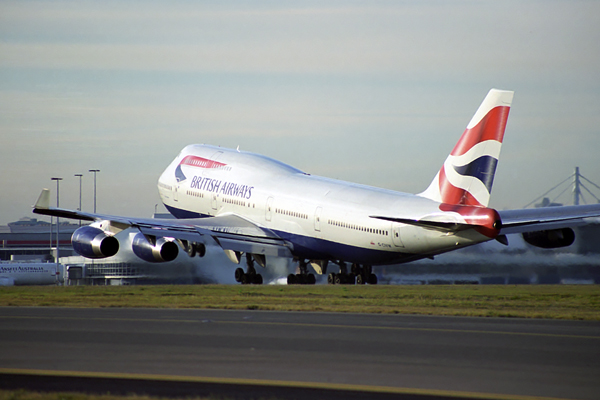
(575, 302)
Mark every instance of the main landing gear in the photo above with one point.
(303, 277)
(250, 276)
(193, 249)
(358, 275)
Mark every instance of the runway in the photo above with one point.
(252, 354)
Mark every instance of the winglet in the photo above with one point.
(43, 201)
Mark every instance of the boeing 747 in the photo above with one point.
(255, 208)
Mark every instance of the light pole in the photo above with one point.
(79, 209)
(57, 223)
(94, 171)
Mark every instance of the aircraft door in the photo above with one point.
(396, 238)
(175, 192)
(214, 201)
(268, 209)
(318, 212)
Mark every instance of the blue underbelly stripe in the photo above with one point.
(311, 248)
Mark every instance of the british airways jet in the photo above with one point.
(256, 208)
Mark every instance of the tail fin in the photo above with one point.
(467, 175)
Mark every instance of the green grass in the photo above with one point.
(580, 302)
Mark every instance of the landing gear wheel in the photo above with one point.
(191, 250)
(331, 278)
(302, 277)
(239, 273)
(339, 279)
(245, 279)
(372, 279)
(200, 249)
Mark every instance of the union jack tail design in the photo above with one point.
(467, 175)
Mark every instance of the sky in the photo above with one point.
(375, 92)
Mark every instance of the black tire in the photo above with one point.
(258, 280)
(200, 249)
(238, 274)
(372, 279)
(246, 279)
(331, 279)
(310, 279)
(292, 279)
(339, 279)
(301, 279)
(350, 279)
(191, 250)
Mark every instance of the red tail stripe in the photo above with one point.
(491, 127)
(452, 195)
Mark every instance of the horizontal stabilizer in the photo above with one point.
(434, 225)
(538, 219)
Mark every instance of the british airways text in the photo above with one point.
(226, 188)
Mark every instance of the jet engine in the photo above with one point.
(153, 249)
(550, 239)
(91, 242)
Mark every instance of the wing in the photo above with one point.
(538, 219)
(230, 232)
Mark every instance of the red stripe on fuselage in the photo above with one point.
(200, 162)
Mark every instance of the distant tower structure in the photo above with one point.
(580, 190)
(575, 182)
(576, 187)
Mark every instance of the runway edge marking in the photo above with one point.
(271, 383)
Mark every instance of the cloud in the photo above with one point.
(123, 86)
(447, 39)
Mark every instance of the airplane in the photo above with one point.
(254, 208)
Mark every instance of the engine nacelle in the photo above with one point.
(154, 249)
(92, 242)
(550, 239)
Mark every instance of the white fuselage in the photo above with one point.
(324, 219)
